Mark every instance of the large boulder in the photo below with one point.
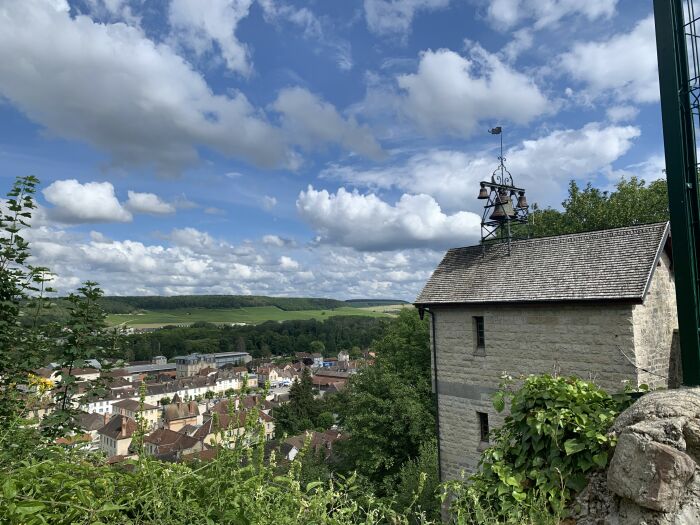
(654, 475)
(651, 474)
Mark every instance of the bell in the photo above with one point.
(522, 201)
(483, 193)
(503, 209)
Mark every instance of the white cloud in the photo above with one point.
(365, 222)
(310, 121)
(543, 166)
(505, 14)
(200, 27)
(143, 104)
(148, 203)
(453, 94)
(269, 202)
(201, 264)
(623, 66)
(621, 113)
(276, 240)
(287, 263)
(274, 11)
(521, 42)
(79, 203)
(394, 17)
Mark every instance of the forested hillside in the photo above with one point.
(270, 338)
(155, 302)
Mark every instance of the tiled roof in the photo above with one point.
(133, 406)
(119, 427)
(170, 441)
(601, 265)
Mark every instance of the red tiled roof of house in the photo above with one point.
(119, 427)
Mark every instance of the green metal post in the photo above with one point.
(681, 175)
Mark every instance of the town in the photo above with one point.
(186, 403)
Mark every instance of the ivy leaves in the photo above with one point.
(555, 434)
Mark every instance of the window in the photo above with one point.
(483, 426)
(479, 332)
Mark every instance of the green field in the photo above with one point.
(251, 315)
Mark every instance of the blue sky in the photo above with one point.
(307, 148)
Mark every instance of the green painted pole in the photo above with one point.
(681, 176)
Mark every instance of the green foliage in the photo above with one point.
(22, 288)
(632, 202)
(71, 487)
(418, 482)
(270, 338)
(555, 435)
(388, 408)
(140, 302)
(302, 412)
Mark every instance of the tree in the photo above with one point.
(632, 202)
(22, 288)
(388, 408)
(317, 347)
(302, 410)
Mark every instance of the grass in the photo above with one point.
(251, 315)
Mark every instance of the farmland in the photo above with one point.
(248, 315)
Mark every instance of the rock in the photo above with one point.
(667, 431)
(651, 474)
(663, 404)
(691, 434)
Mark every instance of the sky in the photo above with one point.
(318, 148)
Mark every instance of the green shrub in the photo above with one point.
(554, 436)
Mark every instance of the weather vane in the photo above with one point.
(505, 204)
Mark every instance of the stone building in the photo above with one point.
(599, 305)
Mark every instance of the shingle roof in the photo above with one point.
(601, 265)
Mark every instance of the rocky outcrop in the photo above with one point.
(654, 475)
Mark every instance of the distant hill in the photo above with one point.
(367, 303)
(128, 304)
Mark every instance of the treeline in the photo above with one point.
(263, 340)
(155, 302)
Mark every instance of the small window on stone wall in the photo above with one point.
(479, 333)
(483, 426)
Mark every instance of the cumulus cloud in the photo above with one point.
(310, 121)
(276, 240)
(623, 66)
(200, 28)
(148, 203)
(394, 17)
(505, 14)
(453, 94)
(143, 104)
(543, 166)
(365, 222)
(287, 263)
(194, 262)
(83, 203)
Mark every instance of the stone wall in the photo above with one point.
(583, 340)
(654, 324)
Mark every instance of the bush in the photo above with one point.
(554, 436)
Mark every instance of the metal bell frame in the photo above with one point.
(506, 204)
